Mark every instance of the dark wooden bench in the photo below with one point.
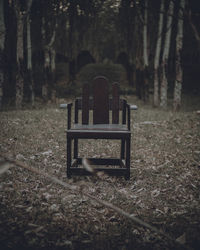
(102, 127)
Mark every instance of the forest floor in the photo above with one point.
(164, 188)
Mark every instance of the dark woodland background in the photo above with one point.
(66, 35)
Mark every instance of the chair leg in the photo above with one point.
(122, 149)
(69, 156)
(128, 146)
(76, 149)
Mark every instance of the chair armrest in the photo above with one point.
(65, 105)
(133, 107)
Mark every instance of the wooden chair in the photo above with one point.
(102, 127)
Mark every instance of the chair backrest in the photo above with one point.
(100, 103)
(85, 103)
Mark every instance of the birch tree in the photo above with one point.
(53, 70)
(157, 55)
(20, 55)
(179, 45)
(145, 52)
(49, 59)
(145, 48)
(29, 54)
(46, 62)
(2, 47)
(164, 63)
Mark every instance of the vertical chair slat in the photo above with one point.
(69, 110)
(76, 121)
(85, 104)
(128, 117)
(123, 122)
(76, 111)
(115, 103)
(124, 112)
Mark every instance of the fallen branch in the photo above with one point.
(78, 189)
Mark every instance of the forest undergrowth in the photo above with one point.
(164, 188)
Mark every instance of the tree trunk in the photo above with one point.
(46, 74)
(2, 47)
(49, 63)
(20, 58)
(179, 45)
(52, 68)
(46, 63)
(164, 64)
(145, 55)
(29, 57)
(53, 74)
(157, 56)
(145, 49)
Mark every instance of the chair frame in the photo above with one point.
(97, 130)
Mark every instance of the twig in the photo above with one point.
(195, 31)
(99, 174)
(78, 189)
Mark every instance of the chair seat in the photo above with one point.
(99, 131)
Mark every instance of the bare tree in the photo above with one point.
(195, 30)
(20, 55)
(145, 52)
(164, 63)
(49, 59)
(145, 49)
(157, 55)
(2, 47)
(29, 53)
(179, 45)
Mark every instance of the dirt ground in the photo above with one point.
(164, 188)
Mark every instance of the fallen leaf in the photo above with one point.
(182, 239)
